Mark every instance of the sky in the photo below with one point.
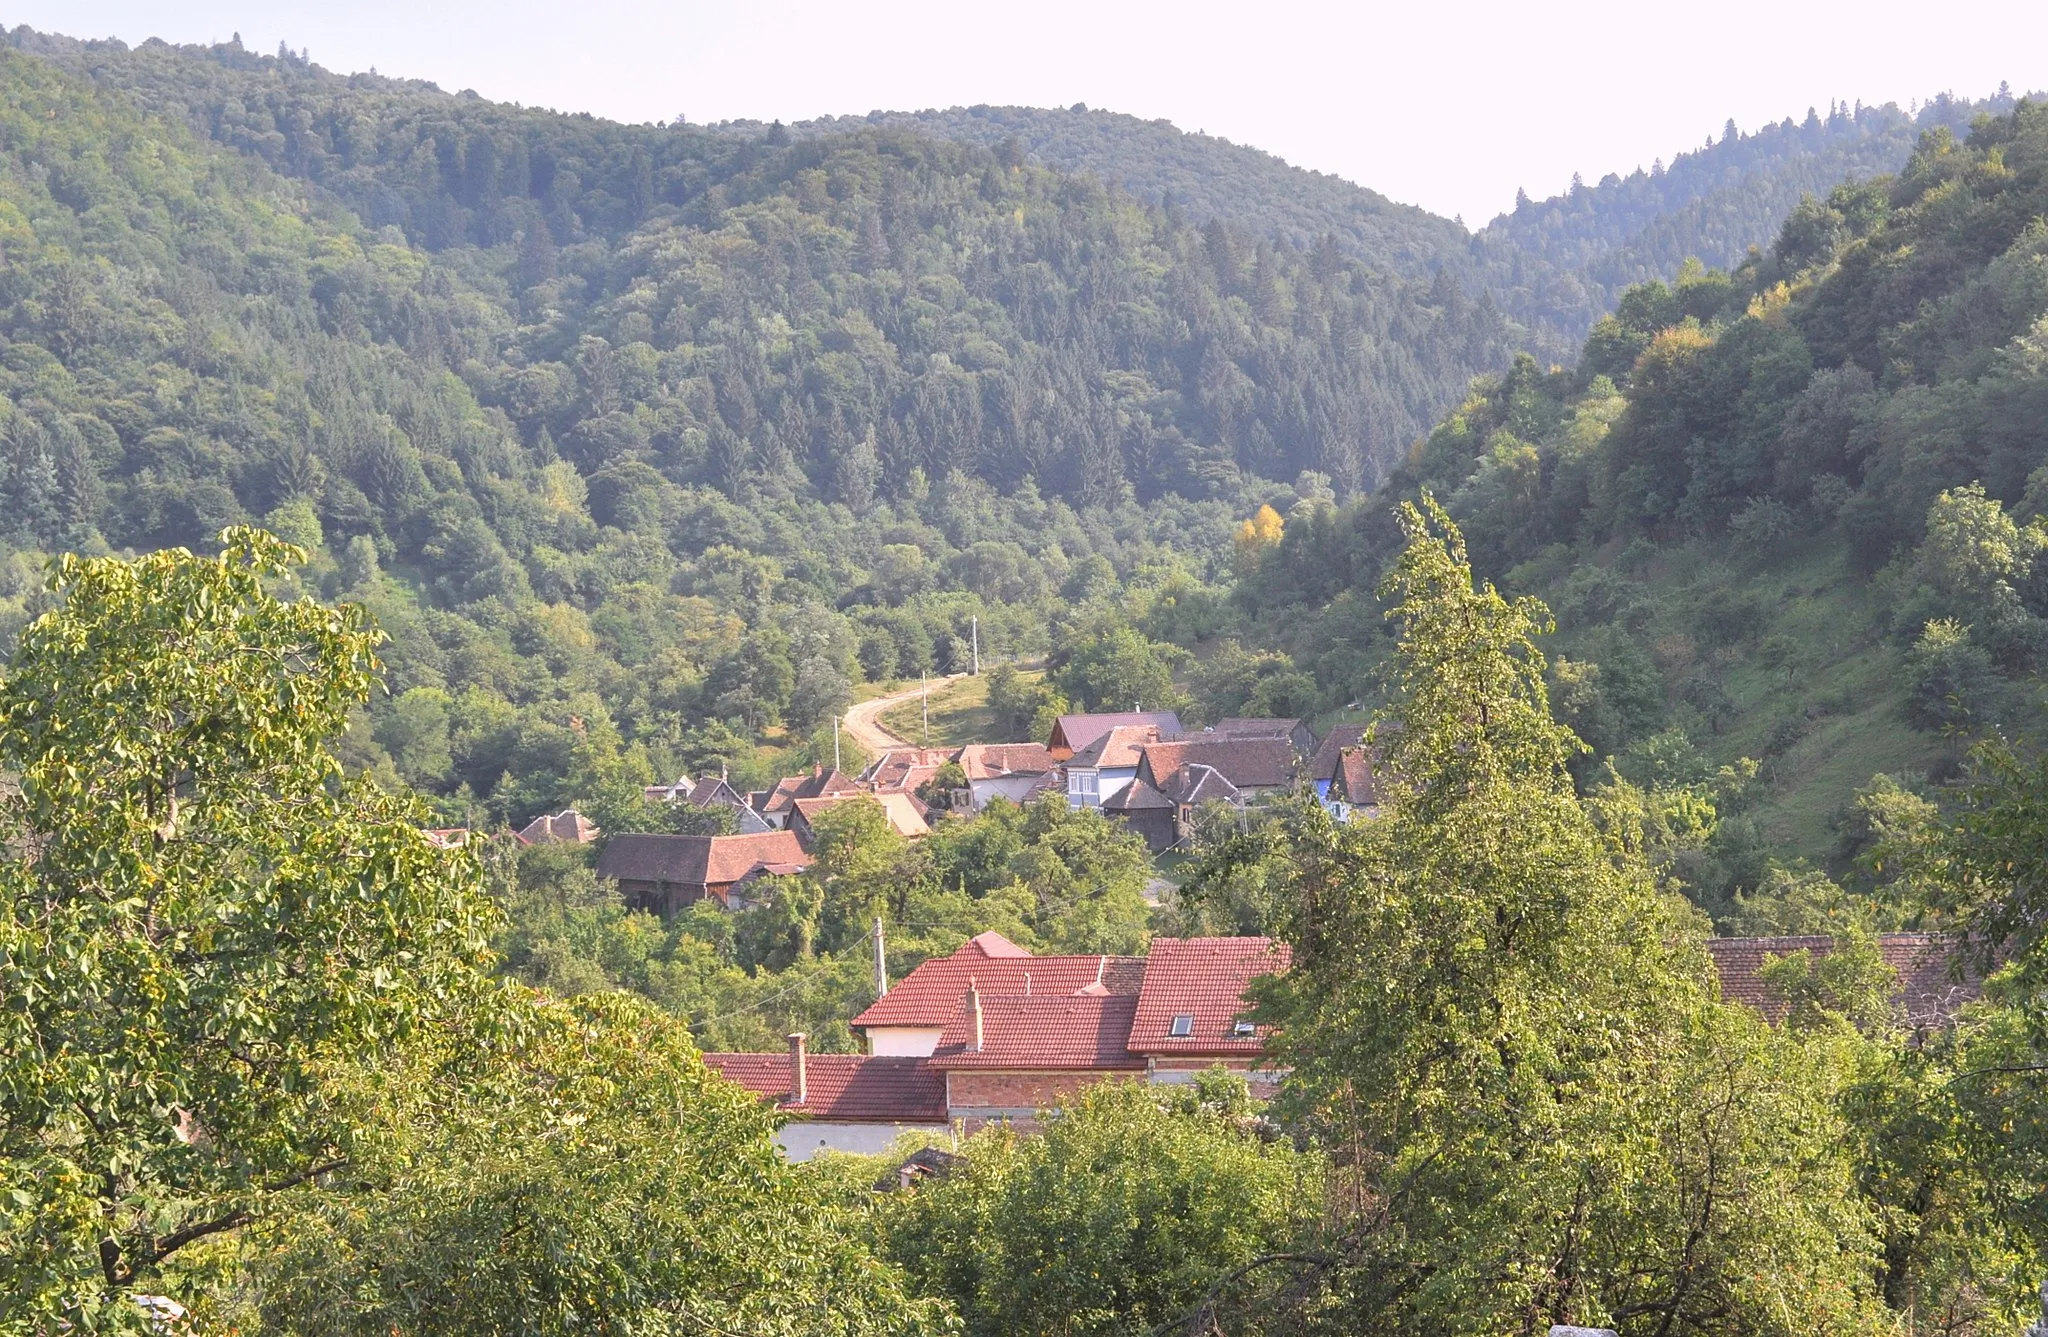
(1449, 106)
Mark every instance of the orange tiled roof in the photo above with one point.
(843, 1088)
(1204, 979)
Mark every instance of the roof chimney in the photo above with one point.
(974, 1015)
(799, 1086)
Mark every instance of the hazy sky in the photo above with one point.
(1450, 106)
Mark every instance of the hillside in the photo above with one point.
(1553, 265)
(1795, 514)
(643, 445)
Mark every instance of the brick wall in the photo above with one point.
(969, 1092)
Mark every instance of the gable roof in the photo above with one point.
(793, 787)
(1117, 748)
(930, 995)
(700, 861)
(1204, 978)
(1136, 797)
(989, 761)
(1088, 1030)
(905, 814)
(1323, 765)
(1074, 732)
(1928, 993)
(1355, 781)
(568, 825)
(843, 1088)
(905, 768)
(1247, 763)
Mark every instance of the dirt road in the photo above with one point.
(863, 723)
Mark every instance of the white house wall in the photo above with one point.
(802, 1139)
(903, 1041)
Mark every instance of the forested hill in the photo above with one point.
(1796, 514)
(1204, 176)
(1563, 262)
(952, 309)
(1554, 265)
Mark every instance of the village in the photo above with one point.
(992, 1033)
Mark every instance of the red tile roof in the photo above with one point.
(1355, 778)
(1928, 993)
(1120, 747)
(1203, 978)
(904, 812)
(1088, 1030)
(904, 769)
(1248, 763)
(930, 995)
(793, 787)
(1329, 752)
(699, 861)
(1075, 732)
(843, 1088)
(1137, 796)
(568, 826)
(987, 761)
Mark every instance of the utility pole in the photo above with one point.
(835, 741)
(974, 630)
(881, 962)
(926, 685)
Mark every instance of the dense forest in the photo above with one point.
(1790, 518)
(1553, 265)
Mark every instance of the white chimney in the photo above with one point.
(799, 1090)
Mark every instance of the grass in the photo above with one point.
(1840, 697)
(960, 713)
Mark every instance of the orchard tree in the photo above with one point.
(1540, 1112)
(202, 920)
(605, 1182)
(1121, 1215)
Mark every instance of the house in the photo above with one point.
(1107, 764)
(1191, 1009)
(1254, 767)
(1328, 759)
(910, 1018)
(905, 813)
(712, 791)
(1015, 1033)
(1354, 790)
(666, 873)
(1007, 1057)
(904, 770)
(774, 804)
(857, 1103)
(1929, 992)
(1294, 731)
(1018, 772)
(1072, 733)
(567, 826)
(1147, 812)
(446, 837)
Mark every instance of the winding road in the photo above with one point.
(863, 722)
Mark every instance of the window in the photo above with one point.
(1183, 1026)
(1083, 787)
(1243, 1030)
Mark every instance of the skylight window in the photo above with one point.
(1183, 1026)
(1243, 1030)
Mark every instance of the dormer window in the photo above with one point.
(1243, 1030)
(1183, 1026)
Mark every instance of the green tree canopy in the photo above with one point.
(203, 918)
